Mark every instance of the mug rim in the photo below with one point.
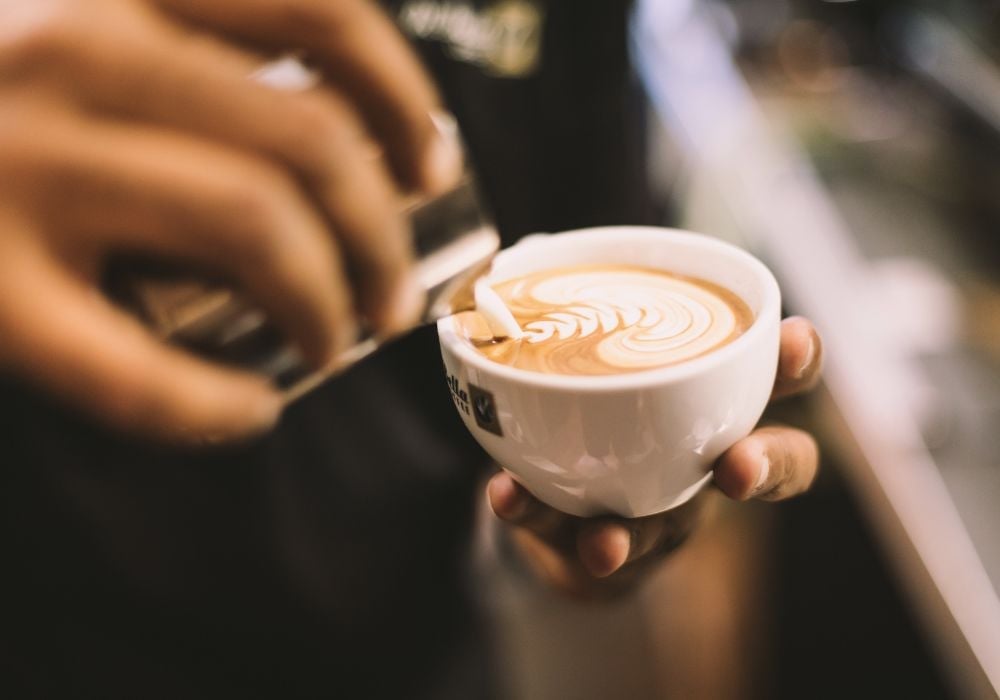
(770, 307)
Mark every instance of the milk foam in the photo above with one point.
(606, 319)
(648, 319)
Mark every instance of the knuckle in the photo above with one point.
(277, 232)
(319, 128)
(377, 237)
(257, 201)
(329, 144)
(798, 460)
(318, 115)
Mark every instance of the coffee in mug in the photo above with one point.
(611, 319)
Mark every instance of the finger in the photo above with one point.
(604, 546)
(68, 339)
(800, 360)
(358, 49)
(202, 86)
(138, 190)
(513, 504)
(772, 464)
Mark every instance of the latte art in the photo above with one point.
(614, 319)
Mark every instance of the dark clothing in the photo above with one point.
(328, 559)
(561, 148)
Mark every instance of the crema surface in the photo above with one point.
(613, 319)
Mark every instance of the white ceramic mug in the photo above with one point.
(630, 444)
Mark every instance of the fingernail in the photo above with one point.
(602, 564)
(625, 542)
(505, 493)
(810, 356)
(444, 161)
(762, 474)
(407, 306)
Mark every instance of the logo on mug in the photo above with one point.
(484, 409)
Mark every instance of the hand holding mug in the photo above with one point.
(648, 358)
(600, 556)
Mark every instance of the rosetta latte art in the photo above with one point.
(614, 319)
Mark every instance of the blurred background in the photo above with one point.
(854, 146)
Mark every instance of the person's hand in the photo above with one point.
(601, 557)
(131, 126)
